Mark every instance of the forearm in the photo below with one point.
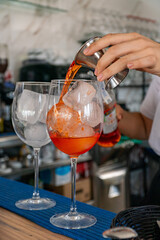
(133, 125)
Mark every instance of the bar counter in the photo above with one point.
(23, 224)
(15, 227)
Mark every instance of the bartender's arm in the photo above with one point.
(128, 50)
(133, 124)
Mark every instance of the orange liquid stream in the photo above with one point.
(74, 146)
(105, 140)
(71, 146)
(73, 69)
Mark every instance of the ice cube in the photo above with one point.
(50, 101)
(30, 106)
(92, 114)
(79, 95)
(62, 119)
(36, 135)
(82, 131)
(43, 114)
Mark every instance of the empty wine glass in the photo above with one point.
(29, 122)
(74, 122)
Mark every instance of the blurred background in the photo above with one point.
(39, 39)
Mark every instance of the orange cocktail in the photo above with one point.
(74, 146)
(74, 123)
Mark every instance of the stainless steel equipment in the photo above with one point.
(91, 62)
(120, 233)
(111, 191)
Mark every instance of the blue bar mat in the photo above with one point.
(11, 191)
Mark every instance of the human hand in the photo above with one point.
(128, 50)
(119, 112)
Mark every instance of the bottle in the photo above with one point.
(110, 134)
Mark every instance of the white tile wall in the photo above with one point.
(25, 29)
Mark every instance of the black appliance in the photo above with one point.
(37, 71)
(39, 67)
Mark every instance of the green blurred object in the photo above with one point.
(125, 138)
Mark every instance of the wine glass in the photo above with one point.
(29, 109)
(74, 122)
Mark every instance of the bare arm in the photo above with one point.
(133, 124)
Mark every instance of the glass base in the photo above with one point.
(35, 204)
(73, 220)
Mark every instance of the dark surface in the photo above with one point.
(142, 219)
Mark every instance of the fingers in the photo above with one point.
(110, 39)
(113, 69)
(128, 50)
(117, 51)
(145, 62)
(145, 58)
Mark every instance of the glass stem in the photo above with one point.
(73, 208)
(36, 173)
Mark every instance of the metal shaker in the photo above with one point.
(91, 62)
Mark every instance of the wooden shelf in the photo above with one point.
(13, 140)
(29, 170)
(9, 141)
